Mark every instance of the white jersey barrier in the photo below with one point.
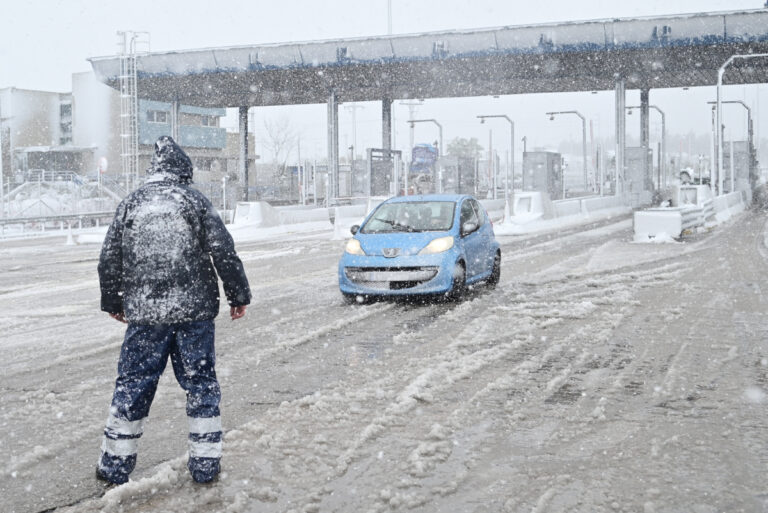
(261, 214)
(672, 222)
(495, 208)
(586, 206)
(346, 216)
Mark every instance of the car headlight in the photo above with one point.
(437, 246)
(353, 247)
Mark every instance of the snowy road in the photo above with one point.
(599, 376)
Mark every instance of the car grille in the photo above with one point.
(390, 278)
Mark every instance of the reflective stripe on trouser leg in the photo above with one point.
(205, 437)
(122, 428)
(204, 425)
(119, 447)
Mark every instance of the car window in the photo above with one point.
(468, 214)
(481, 216)
(415, 216)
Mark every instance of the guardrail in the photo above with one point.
(62, 218)
(41, 222)
(692, 216)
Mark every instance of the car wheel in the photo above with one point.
(493, 279)
(459, 285)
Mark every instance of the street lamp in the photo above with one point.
(509, 185)
(718, 135)
(583, 140)
(663, 166)
(440, 129)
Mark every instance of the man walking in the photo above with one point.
(156, 273)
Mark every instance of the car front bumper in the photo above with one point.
(399, 276)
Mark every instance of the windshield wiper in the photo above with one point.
(395, 224)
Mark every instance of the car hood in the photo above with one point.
(406, 243)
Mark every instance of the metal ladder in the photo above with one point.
(129, 105)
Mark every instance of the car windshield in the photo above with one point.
(412, 216)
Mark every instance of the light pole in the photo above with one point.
(440, 151)
(2, 174)
(718, 135)
(583, 140)
(509, 185)
(663, 166)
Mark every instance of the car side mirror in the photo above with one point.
(468, 228)
(354, 228)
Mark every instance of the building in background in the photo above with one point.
(44, 135)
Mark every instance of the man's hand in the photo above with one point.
(236, 312)
(119, 317)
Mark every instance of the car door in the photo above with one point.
(485, 231)
(472, 240)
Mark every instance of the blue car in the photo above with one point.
(418, 246)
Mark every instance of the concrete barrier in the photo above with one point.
(346, 216)
(565, 208)
(256, 213)
(301, 214)
(494, 207)
(728, 205)
(593, 204)
(699, 209)
(528, 206)
(662, 223)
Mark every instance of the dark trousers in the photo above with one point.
(143, 358)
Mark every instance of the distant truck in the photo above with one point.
(423, 169)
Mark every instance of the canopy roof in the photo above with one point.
(653, 52)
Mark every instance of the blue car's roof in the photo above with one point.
(428, 197)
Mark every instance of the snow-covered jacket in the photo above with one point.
(157, 261)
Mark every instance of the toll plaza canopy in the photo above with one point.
(647, 53)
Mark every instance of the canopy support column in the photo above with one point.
(621, 133)
(175, 108)
(243, 160)
(386, 123)
(333, 148)
(645, 138)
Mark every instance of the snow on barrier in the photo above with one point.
(527, 206)
(568, 207)
(346, 216)
(728, 205)
(301, 214)
(665, 222)
(494, 207)
(661, 224)
(256, 213)
(587, 205)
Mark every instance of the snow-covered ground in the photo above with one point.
(601, 375)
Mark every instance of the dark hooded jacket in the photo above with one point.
(158, 258)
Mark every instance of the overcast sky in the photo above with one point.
(43, 42)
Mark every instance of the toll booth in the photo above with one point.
(459, 174)
(740, 165)
(384, 172)
(638, 183)
(543, 172)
